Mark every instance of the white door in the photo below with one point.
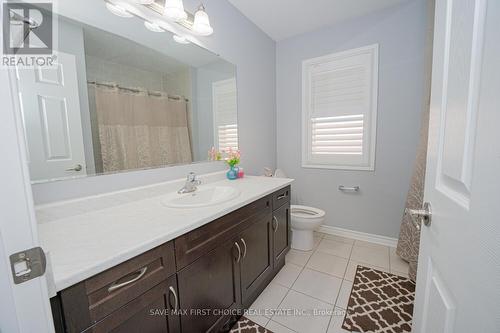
(50, 105)
(458, 281)
(24, 308)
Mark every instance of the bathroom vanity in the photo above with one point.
(198, 281)
(124, 97)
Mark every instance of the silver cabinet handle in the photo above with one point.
(419, 216)
(77, 167)
(282, 196)
(176, 300)
(116, 285)
(277, 223)
(348, 189)
(239, 252)
(244, 248)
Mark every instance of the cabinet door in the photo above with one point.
(208, 288)
(281, 233)
(148, 313)
(256, 262)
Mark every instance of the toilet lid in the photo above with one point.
(306, 211)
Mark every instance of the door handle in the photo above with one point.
(239, 252)
(77, 167)
(244, 248)
(176, 300)
(275, 220)
(419, 216)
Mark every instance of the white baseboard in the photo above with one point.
(358, 235)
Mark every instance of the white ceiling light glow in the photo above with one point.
(159, 18)
(174, 9)
(201, 24)
(118, 10)
(153, 27)
(180, 39)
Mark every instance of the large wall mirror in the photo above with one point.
(114, 104)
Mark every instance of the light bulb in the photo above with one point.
(201, 23)
(174, 9)
(180, 39)
(153, 26)
(118, 10)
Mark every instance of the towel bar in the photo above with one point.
(348, 189)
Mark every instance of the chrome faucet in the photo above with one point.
(190, 185)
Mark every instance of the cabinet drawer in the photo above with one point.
(148, 313)
(281, 197)
(198, 242)
(91, 300)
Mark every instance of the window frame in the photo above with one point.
(307, 64)
(215, 86)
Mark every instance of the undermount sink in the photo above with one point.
(203, 196)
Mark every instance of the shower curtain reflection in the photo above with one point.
(138, 128)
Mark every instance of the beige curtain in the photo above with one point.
(140, 130)
(409, 236)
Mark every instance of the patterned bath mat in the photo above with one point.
(245, 325)
(380, 303)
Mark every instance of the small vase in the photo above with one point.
(232, 174)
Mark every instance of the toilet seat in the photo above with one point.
(306, 212)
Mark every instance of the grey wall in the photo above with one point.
(400, 33)
(237, 40)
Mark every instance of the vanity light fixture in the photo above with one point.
(118, 10)
(201, 24)
(153, 26)
(174, 9)
(181, 39)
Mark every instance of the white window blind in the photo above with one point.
(340, 110)
(225, 114)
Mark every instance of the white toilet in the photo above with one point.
(304, 221)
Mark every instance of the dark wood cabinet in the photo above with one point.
(149, 313)
(209, 285)
(198, 242)
(256, 262)
(281, 233)
(281, 197)
(91, 300)
(207, 276)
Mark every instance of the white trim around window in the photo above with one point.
(339, 110)
(225, 114)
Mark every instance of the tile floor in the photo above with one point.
(310, 293)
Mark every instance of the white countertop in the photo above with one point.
(87, 236)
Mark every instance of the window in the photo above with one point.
(339, 110)
(225, 115)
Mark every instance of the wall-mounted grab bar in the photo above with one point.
(348, 189)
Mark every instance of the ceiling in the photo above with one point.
(282, 19)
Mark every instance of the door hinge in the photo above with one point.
(27, 264)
